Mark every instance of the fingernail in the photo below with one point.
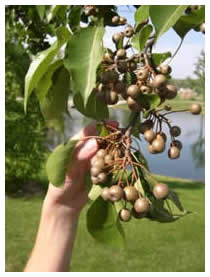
(91, 144)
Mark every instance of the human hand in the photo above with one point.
(73, 195)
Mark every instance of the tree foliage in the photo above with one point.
(65, 43)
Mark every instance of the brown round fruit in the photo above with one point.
(165, 69)
(173, 152)
(146, 125)
(105, 194)
(129, 32)
(115, 19)
(132, 66)
(158, 145)
(125, 215)
(113, 97)
(137, 215)
(133, 91)
(177, 143)
(145, 89)
(162, 136)
(109, 77)
(102, 177)
(167, 107)
(117, 37)
(108, 159)
(94, 180)
(98, 162)
(150, 149)
(120, 87)
(142, 205)
(175, 131)
(122, 66)
(142, 74)
(95, 171)
(149, 135)
(107, 58)
(121, 53)
(159, 80)
(133, 105)
(171, 91)
(160, 191)
(116, 193)
(101, 153)
(195, 108)
(131, 194)
(123, 20)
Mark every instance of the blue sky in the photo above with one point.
(183, 63)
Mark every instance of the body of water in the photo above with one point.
(191, 163)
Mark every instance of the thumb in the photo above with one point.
(87, 150)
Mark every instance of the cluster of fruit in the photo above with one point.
(143, 79)
(139, 204)
(157, 141)
(103, 163)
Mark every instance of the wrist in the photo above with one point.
(56, 206)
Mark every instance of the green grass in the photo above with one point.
(151, 246)
(176, 104)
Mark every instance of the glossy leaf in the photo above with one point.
(189, 21)
(59, 161)
(54, 105)
(141, 14)
(41, 62)
(85, 46)
(152, 100)
(144, 35)
(95, 192)
(158, 58)
(54, 11)
(46, 81)
(165, 16)
(74, 17)
(94, 108)
(173, 196)
(103, 224)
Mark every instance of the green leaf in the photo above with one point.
(135, 129)
(74, 17)
(165, 16)
(84, 53)
(53, 11)
(151, 100)
(41, 11)
(158, 213)
(46, 81)
(59, 161)
(144, 35)
(138, 41)
(141, 14)
(158, 58)
(41, 62)
(189, 21)
(95, 108)
(95, 192)
(103, 224)
(54, 105)
(173, 196)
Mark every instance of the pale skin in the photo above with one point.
(61, 208)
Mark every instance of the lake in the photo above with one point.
(191, 163)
